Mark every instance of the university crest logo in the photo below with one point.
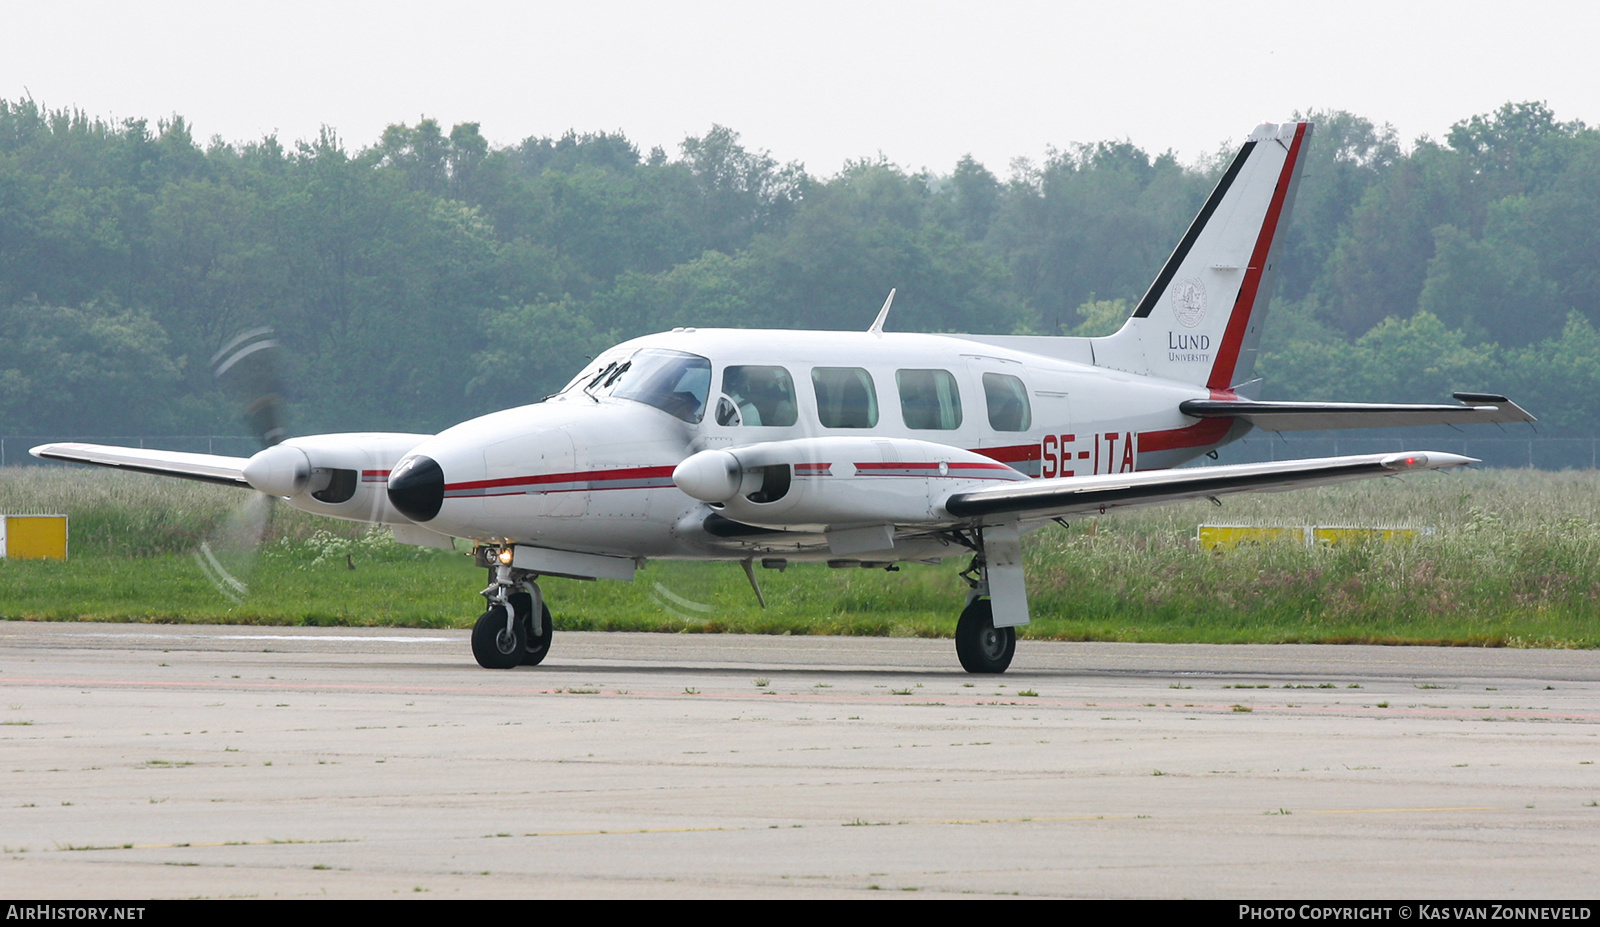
(1189, 302)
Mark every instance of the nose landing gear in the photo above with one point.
(536, 636)
(516, 629)
(496, 642)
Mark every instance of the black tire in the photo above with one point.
(982, 647)
(535, 646)
(493, 647)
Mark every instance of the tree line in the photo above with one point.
(431, 276)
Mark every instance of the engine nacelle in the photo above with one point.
(832, 483)
(341, 475)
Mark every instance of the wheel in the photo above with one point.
(494, 646)
(535, 646)
(982, 647)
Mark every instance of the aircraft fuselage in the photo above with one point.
(592, 468)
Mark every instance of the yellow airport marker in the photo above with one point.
(33, 537)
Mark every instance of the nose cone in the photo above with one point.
(416, 488)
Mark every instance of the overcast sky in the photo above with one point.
(820, 82)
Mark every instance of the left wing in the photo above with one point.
(1051, 498)
(207, 468)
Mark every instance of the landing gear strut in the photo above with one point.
(516, 629)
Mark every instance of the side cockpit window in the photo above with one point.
(753, 395)
(929, 399)
(1008, 403)
(845, 397)
(672, 381)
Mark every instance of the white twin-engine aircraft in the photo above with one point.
(854, 448)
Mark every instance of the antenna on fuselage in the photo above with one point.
(877, 324)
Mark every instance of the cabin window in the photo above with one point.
(845, 397)
(757, 396)
(929, 399)
(1008, 403)
(672, 381)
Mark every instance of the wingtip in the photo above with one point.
(1426, 460)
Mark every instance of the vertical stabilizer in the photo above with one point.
(1200, 321)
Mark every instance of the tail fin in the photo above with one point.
(1200, 321)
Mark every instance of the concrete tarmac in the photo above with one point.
(169, 761)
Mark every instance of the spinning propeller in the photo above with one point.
(248, 370)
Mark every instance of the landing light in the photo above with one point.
(505, 555)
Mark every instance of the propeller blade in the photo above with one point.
(249, 371)
(228, 556)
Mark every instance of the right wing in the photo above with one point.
(1476, 408)
(1054, 498)
(207, 468)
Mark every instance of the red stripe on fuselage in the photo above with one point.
(1201, 433)
(517, 484)
(929, 465)
(1244, 307)
(628, 473)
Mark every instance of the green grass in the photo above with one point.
(1515, 561)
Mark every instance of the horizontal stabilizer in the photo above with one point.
(1052, 498)
(1478, 409)
(207, 468)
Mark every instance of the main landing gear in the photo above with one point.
(980, 646)
(516, 629)
(995, 576)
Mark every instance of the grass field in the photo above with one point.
(1515, 561)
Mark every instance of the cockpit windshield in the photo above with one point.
(672, 381)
